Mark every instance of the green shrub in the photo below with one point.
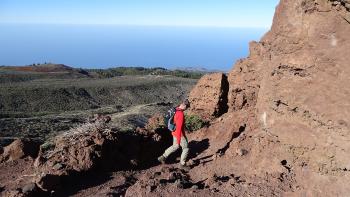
(194, 122)
(47, 146)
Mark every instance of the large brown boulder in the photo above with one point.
(78, 150)
(209, 97)
(20, 148)
(95, 146)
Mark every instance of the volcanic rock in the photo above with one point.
(155, 122)
(292, 93)
(94, 146)
(20, 148)
(29, 189)
(209, 97)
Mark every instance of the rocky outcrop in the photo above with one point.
(304, 90)
(94, 146)
(292, 94)
(19, 149)
(209, 97)
(244, 80)
(76, 151)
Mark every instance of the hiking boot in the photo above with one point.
(185, 167)
(161, 159)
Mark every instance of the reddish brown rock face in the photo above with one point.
(292, 92)
(209, 97)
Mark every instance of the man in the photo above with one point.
(179, 137)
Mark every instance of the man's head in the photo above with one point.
(184, 104)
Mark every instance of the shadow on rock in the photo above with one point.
(76, 182)
(197, 147)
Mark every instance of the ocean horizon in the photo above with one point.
(105, 46)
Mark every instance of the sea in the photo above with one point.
(105, 46)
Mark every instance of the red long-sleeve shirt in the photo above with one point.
(179, 120)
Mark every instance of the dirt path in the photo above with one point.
(134, 110)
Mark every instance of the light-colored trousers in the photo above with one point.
(175, 146)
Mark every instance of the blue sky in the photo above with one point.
(222, 13)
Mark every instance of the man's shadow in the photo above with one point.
(197, 147)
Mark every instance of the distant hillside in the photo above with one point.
(39, 71)
(54, 95)
(41, 68)
(61, 71)
(200, 69)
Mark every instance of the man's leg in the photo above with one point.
(171, 149)
(185, 149)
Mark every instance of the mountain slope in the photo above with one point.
(291, 97)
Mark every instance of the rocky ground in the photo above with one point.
(279, 126)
